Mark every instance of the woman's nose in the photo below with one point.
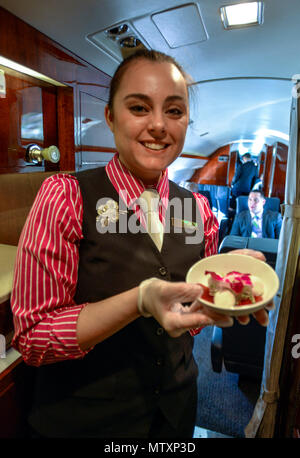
(157, 124)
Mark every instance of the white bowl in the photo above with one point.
(224, 263)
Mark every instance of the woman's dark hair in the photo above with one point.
(142, 54)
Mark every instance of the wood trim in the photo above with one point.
(49, 112)
(96, 149)
(268, 168)
(262, 165)
(231, 166)
(65, 122)
(279, 177)
(275, 171)
(6, 322)
(192, 156)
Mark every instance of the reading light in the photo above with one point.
(242, 15)
(119, 30)
(130, 42)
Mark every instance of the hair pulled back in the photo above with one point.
(142, 54)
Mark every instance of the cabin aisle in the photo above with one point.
(223, 406)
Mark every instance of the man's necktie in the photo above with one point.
(256, 231)
(149, 201)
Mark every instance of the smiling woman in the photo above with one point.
(148, 115)
(99, 311)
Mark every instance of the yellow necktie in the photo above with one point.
(149, 201)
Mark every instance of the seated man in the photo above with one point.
(257, 222)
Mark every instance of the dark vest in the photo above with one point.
(125, 378)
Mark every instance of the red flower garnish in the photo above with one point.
(235, 284)
(214, 275)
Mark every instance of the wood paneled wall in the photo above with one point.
(274, 177)
(215, 171)
(24, 44)
(279, 176)
(27, 46)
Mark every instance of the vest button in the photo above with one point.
(159, 362)
(156, 391)
(159, 331)
(162, 271)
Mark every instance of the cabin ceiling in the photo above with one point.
(243, 77)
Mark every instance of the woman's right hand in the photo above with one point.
(164, 301)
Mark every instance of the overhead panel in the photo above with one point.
(118, 40)
(171, 28)
(181, 26)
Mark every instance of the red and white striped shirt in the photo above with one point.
(45, 314)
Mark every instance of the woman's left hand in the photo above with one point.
(261, 316)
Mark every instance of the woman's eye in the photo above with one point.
(138, 109)
(175, 111)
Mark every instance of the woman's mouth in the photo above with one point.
(155, 146)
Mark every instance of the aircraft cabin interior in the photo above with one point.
(56, 62)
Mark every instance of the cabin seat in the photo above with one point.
(272, 203)
(240, 349)
(17, 193)
(268, 247)
(220, 196)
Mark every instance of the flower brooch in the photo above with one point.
(108, 213)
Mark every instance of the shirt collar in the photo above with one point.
(259, 215)
(130, 187)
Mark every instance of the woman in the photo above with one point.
(101, 313)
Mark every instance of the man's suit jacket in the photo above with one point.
(245, 178)
(271, 224)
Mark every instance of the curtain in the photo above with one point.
(262, 423)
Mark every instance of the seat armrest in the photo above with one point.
(269, 247)
(233, 242)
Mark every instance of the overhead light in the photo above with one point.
(273, 133)
(119, 30)
(242, 14)
(257, 145)
(242, 149)
(130, 42)
(28, 71)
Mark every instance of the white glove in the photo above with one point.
(163, 300)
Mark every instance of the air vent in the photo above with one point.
(118, 41)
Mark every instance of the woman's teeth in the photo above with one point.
(155, 146)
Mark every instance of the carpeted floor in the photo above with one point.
(224, 406)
